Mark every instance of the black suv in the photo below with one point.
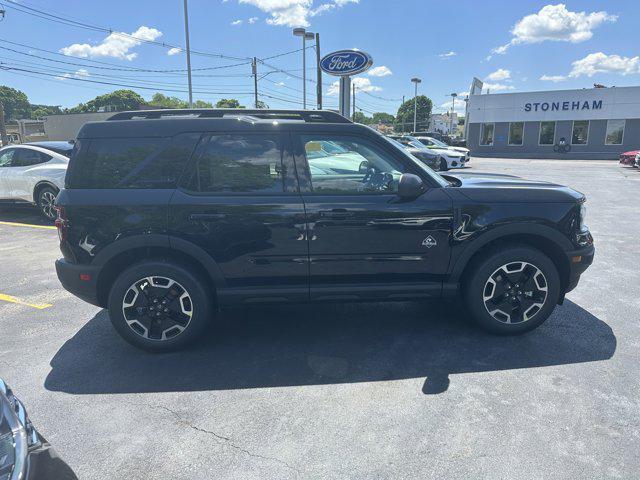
(167, 216)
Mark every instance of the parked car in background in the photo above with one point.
(34, 173)
(637, 162)
(24, 453)
(431, 142)
(430, 159)
(629, 158)
(449, 158)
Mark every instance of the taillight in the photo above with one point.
(61, 223)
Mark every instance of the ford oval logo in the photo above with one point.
(346, 62)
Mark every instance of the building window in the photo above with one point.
(486, 134)
(547, 133)
(580, 134)
(615, 132)
(516, 133)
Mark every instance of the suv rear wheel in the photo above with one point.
(159, 306)
(512, 290)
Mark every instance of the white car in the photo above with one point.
(435, 143)
(34, 173)
(449, 158)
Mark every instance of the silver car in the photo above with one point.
(34, 173)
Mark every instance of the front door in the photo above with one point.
(25, 159)
(364, 240)
(240, 204)
(7, 157)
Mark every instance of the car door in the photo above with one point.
(239, 202)
(364, 241)
(6, 163)
(20, 184)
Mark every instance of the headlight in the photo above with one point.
(583, 216)
(17, 436)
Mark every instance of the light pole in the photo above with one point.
(186, 33)
(416, 81)
(453, 109)
(301, 32)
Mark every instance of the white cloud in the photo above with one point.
(603, 63)
(555, 23)
(236, 23)
(497, 87)
(499, 75)
(448, 55)
(362, 84)
(294, 13)
(116, 45)
(553, 78)
(381, 71)
(80, 73)
(253, 20)
(174, 51)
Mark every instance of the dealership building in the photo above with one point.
(593, 123)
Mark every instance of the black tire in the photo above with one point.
(443, 165)
(46, 201)
(165, 334)
(494, 285)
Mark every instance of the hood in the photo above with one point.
(498, 188)
(447, 151)
(631, 153)
(460, 149)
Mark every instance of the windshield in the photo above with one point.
(438, 142)
(440, 180)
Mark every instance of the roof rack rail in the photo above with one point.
(325, 116)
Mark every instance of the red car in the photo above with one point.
(629, 158)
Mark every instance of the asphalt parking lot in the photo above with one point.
(405, 390)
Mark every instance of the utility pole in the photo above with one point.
(453, 109)
(319, 73)
(353, 94)
(3, 128)
(416, 81)
(186, 33)
(401, 122)
(254, 71)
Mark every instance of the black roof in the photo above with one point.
(52, 145)
(163, 123)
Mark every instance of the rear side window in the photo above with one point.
(131, 162)
(27, 157)
(239, 164)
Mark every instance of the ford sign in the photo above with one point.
(346, 62)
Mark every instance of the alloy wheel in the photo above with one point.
(515, 292)
(157, 308)
(47, 203)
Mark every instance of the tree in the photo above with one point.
(228, 103)
(162, 101)
(16, 104)
(405, 113)
(262, 105)
(41, 111)
(117, 100)
(359, 117)
(383, 117)
(202, 104)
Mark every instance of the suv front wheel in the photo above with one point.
(158, 306)
(512, 290)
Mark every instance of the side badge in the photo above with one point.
(429, 242)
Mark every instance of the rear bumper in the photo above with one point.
(579, 261)
(81, 280)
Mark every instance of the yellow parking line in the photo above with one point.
(10, 299)
(16, 224)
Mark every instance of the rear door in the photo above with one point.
(240, 203)
(364, 240)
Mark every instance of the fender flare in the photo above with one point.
(162, 241)
(497, 232)
(40, 184)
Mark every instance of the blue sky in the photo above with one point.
(513, 46)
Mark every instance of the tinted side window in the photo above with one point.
(240, 164)
(131, 162)
(27, 157)
(6, 157)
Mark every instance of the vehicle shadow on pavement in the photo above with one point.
(325, 344)
(22, 213)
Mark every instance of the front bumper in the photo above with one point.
(81, 280)
(579, 261)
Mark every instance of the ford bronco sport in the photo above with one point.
(169, 215)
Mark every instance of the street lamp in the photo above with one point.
(301, 32)
(453, 109)
(416, 81)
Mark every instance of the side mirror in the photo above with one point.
(410, 186)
